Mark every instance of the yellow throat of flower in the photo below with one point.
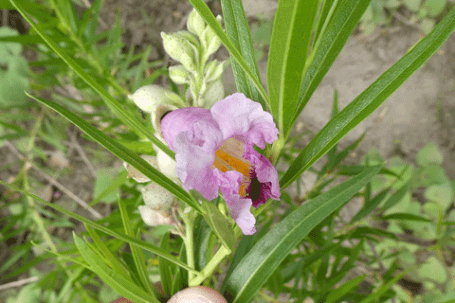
(230, 157)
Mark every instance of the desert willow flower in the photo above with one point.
(214, 150)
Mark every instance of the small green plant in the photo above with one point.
(422, 13)
(418, 213)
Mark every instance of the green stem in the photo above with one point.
(189, 241)
(210, 267)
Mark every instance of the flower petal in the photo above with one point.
(194, 136)
(239, 208)
(237, 115)
(182, 120)
(266, 174)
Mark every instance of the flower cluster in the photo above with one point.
(192, 49)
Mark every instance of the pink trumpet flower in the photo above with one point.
(214, 150)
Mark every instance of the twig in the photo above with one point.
(60, 186)
(18, 283)
(82, 154)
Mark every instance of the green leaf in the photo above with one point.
(435, 7)
(14, 73)
(430, 154)
(342, 23)
(123, 286)
(369, 100)
(238, 31)
(165, 267)
(291, 36)
(382, 289)
(441, 194)
(412, 5)
(108, 189)
(342, 290)
(138, 256)
(107, 185)
(110, 101)
(368, 208)
(147, 246)
(219, 224)
(206, 14)
(404, 216)
(262, 260)
(113, 262)
(124, 154)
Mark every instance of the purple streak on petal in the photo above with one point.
(266, 174)
(237, 115)
(239, 207)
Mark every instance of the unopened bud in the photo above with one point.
(148, 97)
(137, 175)
(166, 164)
(195, 23)
(152, 217)
(197, 294)
(157, 197)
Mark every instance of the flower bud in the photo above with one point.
(137, 175)
(197, 294)
(166, 165)
(179, 48)
(153, 217)
(195, 23)
(148, 97)
(158, 114)
(156, 197)
(213, 70)
(179, 74)
(213, 93)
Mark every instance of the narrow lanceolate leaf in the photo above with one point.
(122, 285)
(110, 101)
(291, 35)
(137, 253)
(207, 15)
(369, 100)
(238, 31)
(123, 153)
(344, 19)
(147, 246)
(263, 259)
(344, 289)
